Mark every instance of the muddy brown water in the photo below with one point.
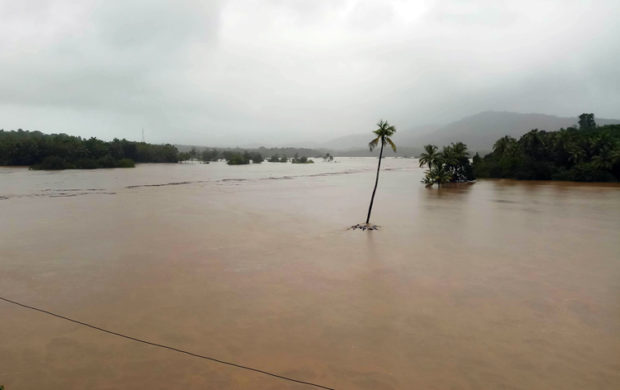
(496, 285)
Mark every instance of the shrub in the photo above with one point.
(52, 163)
(126, 163)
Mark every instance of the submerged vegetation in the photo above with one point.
(301, 160)
(587, 153)
(62, 151)
(242, 158)
(278, 159)
(451, 165)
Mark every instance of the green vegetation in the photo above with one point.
(242, 158)
(216, 152)
(278, 159)
(589, 153)
(429, 156)
(209, 155)
(206, 155)
(451, 165)
(62, 151)
(328, 157)
(301, 160)
(383, 134)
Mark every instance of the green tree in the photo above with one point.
(429, 156)
(504, 145)
(450, 165)
(438, 174)
(586, 121)
(383, 134)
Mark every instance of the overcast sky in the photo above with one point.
(283, 71)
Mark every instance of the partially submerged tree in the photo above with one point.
(383, 134)
(451, 165)
(301, 160)
(438, 174)
(429, 156)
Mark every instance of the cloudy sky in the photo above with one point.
(241, 72)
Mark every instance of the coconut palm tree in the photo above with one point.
(383, 133)
(438, 174)
(429, 156)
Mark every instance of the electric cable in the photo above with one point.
(166, 346)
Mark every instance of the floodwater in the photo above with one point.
(495, 285)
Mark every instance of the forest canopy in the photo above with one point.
(587, 153)
(62, 151)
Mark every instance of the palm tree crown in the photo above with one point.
(429, 156)
(384, 132)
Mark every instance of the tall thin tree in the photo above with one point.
(383, 133)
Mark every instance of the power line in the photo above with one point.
(165, 346)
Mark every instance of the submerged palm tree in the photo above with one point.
(429, 156)
(438, 174)
(383, 133)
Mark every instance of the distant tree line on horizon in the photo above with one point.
(62, 151)
(197, 152)
(586, 153)
(239, 156)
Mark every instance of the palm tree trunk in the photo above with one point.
(372, 199)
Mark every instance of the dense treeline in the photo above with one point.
(587, 153)
(62, 151)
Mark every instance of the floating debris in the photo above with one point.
(364, 226)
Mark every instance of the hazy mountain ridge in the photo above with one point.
(358, 141)
(478, 131)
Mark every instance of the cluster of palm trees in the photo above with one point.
(450, 165)
(589, 153)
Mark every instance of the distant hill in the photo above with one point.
(478, 131)
(359, 141)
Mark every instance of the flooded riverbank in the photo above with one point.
(500, 284)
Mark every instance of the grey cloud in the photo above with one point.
(234, 72)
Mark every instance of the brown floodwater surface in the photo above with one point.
(496, 285)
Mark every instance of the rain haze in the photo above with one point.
(298, 72)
